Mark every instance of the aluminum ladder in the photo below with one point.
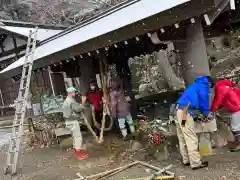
(15, 141)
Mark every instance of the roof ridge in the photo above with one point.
(32, 25)
(91, 19)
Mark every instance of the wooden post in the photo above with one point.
(2, 97)
(90, 128)
(51, 81)
(103, 69)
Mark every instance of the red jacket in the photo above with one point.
(95, 99)
(227, 95)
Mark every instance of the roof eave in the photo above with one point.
(32, 25)
(165, 18)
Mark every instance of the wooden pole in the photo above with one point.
(157, 168)
(159, 173)
(51, 81)
(156, 178)
(116, 172)
(90, 128)
(102, 174)
(103, 63)
(2, 98)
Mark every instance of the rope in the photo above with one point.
(103, 128)
(90, 128)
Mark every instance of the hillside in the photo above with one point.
(60, 12)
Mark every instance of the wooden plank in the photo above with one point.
(32, 25)
(214, 13)
(13, 51)
(15, 47)
(3, 38)
(102, 174)
(156, 178)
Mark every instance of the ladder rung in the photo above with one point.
(15, 137)
(24, 77)
(18, 114)
(11, 150)
(32, 32)
(29, 54)
(27, 64)
(31, 44)
(16, 125)
(19, 101)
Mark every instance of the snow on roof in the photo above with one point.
(136, 11)
(24, 31)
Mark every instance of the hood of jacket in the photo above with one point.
(202, 80)
(225, 83)
(197, 95)
(226, 95)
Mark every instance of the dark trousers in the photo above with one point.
(98, 116)
(236, 135)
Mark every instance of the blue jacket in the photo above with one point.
(197, 95)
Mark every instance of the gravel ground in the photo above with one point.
(59, 164)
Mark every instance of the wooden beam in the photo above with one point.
(2, 39)
(15, 47)
(9, 33)
(12, 51)
(214, 13)
(2, 47)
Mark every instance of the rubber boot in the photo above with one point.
(80, 155)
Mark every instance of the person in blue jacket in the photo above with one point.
(194, 98)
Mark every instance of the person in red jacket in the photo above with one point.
(95, 98)
(227, 95)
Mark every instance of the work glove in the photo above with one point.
(199, 117)
(171, 120)
(209, 117)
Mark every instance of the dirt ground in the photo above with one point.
(59, 164)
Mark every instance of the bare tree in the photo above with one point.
(67, 12)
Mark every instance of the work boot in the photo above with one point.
(80, 155)
(203, 165)
(186, 164)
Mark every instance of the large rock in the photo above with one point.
(168, 73)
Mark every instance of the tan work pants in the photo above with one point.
(188, 140)
(74, 127)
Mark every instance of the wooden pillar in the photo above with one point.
(193, 53)
(51, 81)
(85, 66)
(103, 71)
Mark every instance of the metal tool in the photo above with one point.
(21, 103)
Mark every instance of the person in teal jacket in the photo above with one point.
(194, 98)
